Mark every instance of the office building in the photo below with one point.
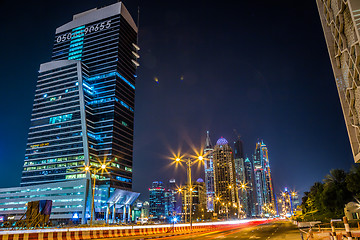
(157, 201)
(225, 180)
(83, 110)
(265, 199)
(209, 173)
(340, 21)
(250, 193)
(170, 196)
(198, 197)
(243, 170)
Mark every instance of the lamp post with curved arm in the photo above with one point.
(189, 162)
(93, 172)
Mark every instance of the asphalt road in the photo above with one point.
(270, 231)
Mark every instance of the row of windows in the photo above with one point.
(54, 137)
(57, 71)
(56, 112)
(61, 80)
(57, 101)
(51, 171)
(61, 165)
(56, 154)
(55, 160)
(65, 95)
(55, 148)
(43, 90)
(54, 129)
(43, 195)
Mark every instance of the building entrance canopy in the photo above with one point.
(122, 198)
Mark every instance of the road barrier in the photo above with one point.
(119, 231)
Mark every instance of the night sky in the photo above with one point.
(260, 67)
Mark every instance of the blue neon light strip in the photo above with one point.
(76, 44)
(104, 100)
(96, 137)
(78, 28)
(111, 75)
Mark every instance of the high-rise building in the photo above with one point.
(157, 201)
(340, 20)
(162, 201)
(209, 173)
(285, 203)
(198, 200)
(242, 178)
(172, 196)
(83, 110)
(225, 180)
(250, 193)
(265, 199)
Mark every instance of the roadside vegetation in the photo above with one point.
(326, 200)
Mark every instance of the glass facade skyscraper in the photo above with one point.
(157, 201)
(265, 198)
(209, 173)
(83, 111)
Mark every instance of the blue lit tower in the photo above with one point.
(249, 175)
(157, 201)
(209, 174)
(84, 102)
(265, 199)
(225, 180)
(83, 111)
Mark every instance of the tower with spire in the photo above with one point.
(265, 198)
(209, 173)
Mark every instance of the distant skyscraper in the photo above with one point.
(242, 178)
(157, 201)
(225, 179)
(285, 203)
(340, 22)
(209, 173)
(265, 198)
(249, 173)
(198, 199)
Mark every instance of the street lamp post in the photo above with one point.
(189, 162)
(93, 172)
(184, 194)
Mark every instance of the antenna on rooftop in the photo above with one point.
(138, 25)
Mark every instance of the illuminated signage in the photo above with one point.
(39, 145)
(84, 31)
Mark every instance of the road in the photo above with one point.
(271, 231)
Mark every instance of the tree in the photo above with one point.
(335, 194)
(353, 181)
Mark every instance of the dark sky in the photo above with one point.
(260, 67)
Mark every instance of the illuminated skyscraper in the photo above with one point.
(225, 180)
(250, 193)
(83, 111)
(340, 22)
(157, 201)
(198, 200)
(84, 102)
(244, 178)
(209, 173)
(265, 198)
(240, 171)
